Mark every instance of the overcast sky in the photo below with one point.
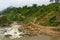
(19, 3)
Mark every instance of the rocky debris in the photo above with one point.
(35, 30)
(17, 31)
(29, 30)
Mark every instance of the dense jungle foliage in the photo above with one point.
(42, 15)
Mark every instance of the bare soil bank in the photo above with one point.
(35, 29)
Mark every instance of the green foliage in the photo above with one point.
(52, 22)
(27, 14)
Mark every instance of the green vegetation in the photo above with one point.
(45, 15)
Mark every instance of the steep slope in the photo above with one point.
(42, 15)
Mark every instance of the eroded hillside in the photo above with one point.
(42, 15)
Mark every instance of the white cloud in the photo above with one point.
(6, 3)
